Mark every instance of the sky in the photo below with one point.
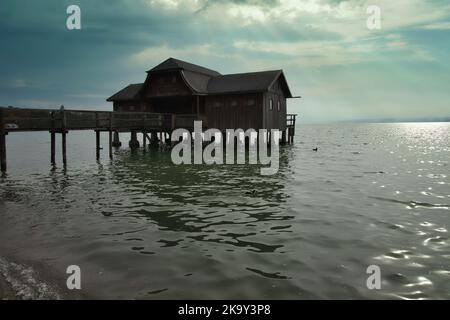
(342, 69)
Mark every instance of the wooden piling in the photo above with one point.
(110, 145)
(110, 133)
(52, 139)
(64, 154)
(52, 147)
(2, 143)
(144, 139)
(283, 137)
(63, 134)
(3, 149)
(97, 144)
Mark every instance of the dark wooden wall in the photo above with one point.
(234, 111)
(129, 106)
(275, 118)
(165, 84)
(168, 93)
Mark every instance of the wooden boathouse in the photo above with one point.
(174, 95)
(255, 100)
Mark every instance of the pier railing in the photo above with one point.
(290, 120)
(15, 119)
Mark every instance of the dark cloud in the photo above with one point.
(43, 61)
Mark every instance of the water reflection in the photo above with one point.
(370, 194)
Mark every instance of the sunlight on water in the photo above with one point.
(141, 227)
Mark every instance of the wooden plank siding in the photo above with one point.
(274, 118)
(234, 111)
(165, 84)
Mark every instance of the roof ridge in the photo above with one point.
(173, 63)
(251, 72)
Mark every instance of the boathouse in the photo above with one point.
(190, 92)
(174, 94)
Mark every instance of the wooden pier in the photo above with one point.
(62, 121)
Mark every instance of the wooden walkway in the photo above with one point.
(62, 121)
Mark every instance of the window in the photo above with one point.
(233, 103)
(278, 105)
(270, 104)
(251, 102)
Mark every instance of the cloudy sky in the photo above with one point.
(342, 69)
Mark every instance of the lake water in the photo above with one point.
(140, 227)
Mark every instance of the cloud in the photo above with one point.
(438, 26)
(328, 54)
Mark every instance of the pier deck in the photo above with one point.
(62, 121)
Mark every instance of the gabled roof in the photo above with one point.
(245, 82)
(196, 81)
(174, 64)
(128, 93)
(205, 81)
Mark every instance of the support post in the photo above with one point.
(110, 136)
(63, 134)
(3, 150)
(110, 145)
(97, 144)
(283, 137)
(133, 143)
(116, 141)
(52, 139)
(144, 139)
(64, 155)
(2, 143)
(52, 147)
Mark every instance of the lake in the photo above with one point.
(140, 227)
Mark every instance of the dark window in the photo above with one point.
(270, 104)
(233, 103)
(279, 105)
(251, 102)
